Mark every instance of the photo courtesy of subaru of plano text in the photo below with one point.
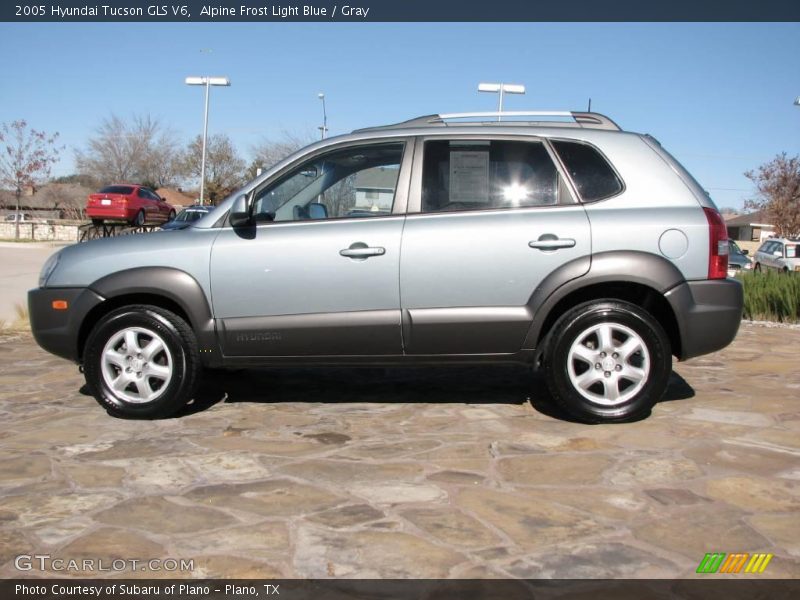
(586, 251)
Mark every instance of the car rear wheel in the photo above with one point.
(138, 220)
(171, 216)
(607, 361)
(141, 362)
(97, 222)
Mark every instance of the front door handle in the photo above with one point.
(548, 241)
(361, 251)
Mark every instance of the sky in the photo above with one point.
(718, 96)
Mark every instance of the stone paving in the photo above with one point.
(452, 472)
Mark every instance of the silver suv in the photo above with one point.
(558, 241)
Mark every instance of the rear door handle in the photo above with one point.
(548, 241)
(360, 250)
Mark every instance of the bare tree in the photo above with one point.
(139, 151)
(225, 169)
(68, 198)
(778, 186)
(26, 156)
(271, 151)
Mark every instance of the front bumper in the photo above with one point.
(708, 314)
(58, 331)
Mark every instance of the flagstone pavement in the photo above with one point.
(437, 473)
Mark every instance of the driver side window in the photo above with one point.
(353, 182)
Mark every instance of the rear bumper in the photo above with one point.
(57, 331)
(111, 212)
(708, 314)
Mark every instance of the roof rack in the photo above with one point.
(579, 119)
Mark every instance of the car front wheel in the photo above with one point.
(607, 361)
(141, 362)
(138, 220)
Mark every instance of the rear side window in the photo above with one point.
(593, 176)
(116, 189)
(462, 175)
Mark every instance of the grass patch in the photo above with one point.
(20, 323)
(771, 296)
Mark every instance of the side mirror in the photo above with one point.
(240, 212)
(745, 252)
(317, 211)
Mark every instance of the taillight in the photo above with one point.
(717, 245)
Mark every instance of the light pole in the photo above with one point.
(324, 128)
(501, 88)
(797, 101)
(207, 82)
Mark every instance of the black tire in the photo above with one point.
(139, 219)
(97, 222)
(757, 268)
(180, 357)
(607, 314)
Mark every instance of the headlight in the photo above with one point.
(48, 268)
(748, 265)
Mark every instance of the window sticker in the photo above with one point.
(469, 176)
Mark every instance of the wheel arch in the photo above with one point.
(168, 288)
(640, 278)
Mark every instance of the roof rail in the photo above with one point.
(586, 119)
(580, 119)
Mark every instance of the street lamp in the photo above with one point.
(324, 128)
(207, 82)
(501, 88)
(797, 101)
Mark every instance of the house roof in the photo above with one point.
(48, 197)
(754, 218)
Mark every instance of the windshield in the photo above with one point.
(116, 189)
(187, 216)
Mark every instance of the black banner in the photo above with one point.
(731, 588)
(401, 10)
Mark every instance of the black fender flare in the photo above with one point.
(624, 266)
(177, 286)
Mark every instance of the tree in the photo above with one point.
(69, 198)
(225, 169)
(271, 151)
(778, 185)
(141, 151)
(26, 156)
(78, 179)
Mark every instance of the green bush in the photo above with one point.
(771, 296)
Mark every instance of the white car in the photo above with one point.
(780, 254)
(23, 218)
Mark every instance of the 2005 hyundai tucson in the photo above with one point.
(556, 240)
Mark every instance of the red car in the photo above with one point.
(134, 204)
